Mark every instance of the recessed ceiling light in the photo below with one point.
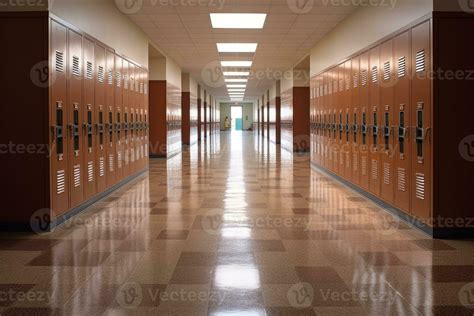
(236, 63)
(236, 73)
(236, 90)
(236, 86)
(237, 94)
(237, 47)
(236, 80)
(238, 20)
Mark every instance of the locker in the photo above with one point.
(356, 119)
(347, 151)
(131, 117)
(100, 112)
(89, 114)
(421, 109)
(110, 115)
(75, 119)
(364, 121)
(402, 119)
(331, 120)
(118, 128)
(375, 119)
(387, 139)
(326, 131)
(59, 119)
(126, 117)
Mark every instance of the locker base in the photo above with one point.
(438, 233)
(26, 227)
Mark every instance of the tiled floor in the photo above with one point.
(235, 227)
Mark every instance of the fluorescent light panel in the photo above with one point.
(238, 20)
(236, 73)
(236, 63)
(236, 90)
(236, 47)
(236, 80)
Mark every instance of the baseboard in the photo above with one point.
(57, 222)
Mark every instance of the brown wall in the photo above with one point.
(186, 122)
(158, 129)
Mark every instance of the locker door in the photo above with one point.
(402, 119)
(348, 121)
(126, 118)
(364, 120)
(341, 107)
(387, 139)
(332, 120)
(88, 88)
(100, 116)
(131, 116)
(110, 119)
(146, 106)
(421, 121)
(58, 121)
(375, 119)
(118, 118)
(326, 133)
(75, 119)
(356, 121)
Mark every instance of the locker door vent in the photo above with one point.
(375, 169)
(355, 162)
(90, 171)
(402, 66)
(111, 77)
(126, 157)
(145, 88)
(348, 161)
(76, 67)
(325, 89)
(132, 155)
(364, 77)
(89, 71)
(146, 150)
(125, 82)
(60, 182)
(59, 61)
(119, 160)
(348, 83)
(420, 186)
(137, 86)
(330, 88)
(77, 176)
(375, 74)
(341, 85)
(141, 87)
(420, 61)
(101, 167)
(100, 75)
(111, 162)
(118, 78)
(386, 71)
(364, 165)
(386, 174)
(402, 180)
(356, 80)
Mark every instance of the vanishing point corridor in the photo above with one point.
(234, 226)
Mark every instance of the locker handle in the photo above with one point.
(402, 133)
(422, 133)
(355, 128)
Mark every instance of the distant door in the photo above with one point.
(238, 124)
(236, 117)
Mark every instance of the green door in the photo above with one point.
(238, 124)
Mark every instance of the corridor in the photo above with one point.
(234, 226)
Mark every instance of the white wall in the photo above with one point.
(173, 73)
(247, 114)
(363, 28)
(157, 68)
(104, 21)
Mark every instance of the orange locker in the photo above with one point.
(75, 118)
(100, 106)
(364, 121)
(88, 89)
(347, 148)
(375, 113)
(421, 111)
(356, 121)
(327, 120)
(402, 118)
(59, 118)
(126, 118)
(110, 141)
(387, 139)
(118, 128)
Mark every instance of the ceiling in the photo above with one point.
(182, 29)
